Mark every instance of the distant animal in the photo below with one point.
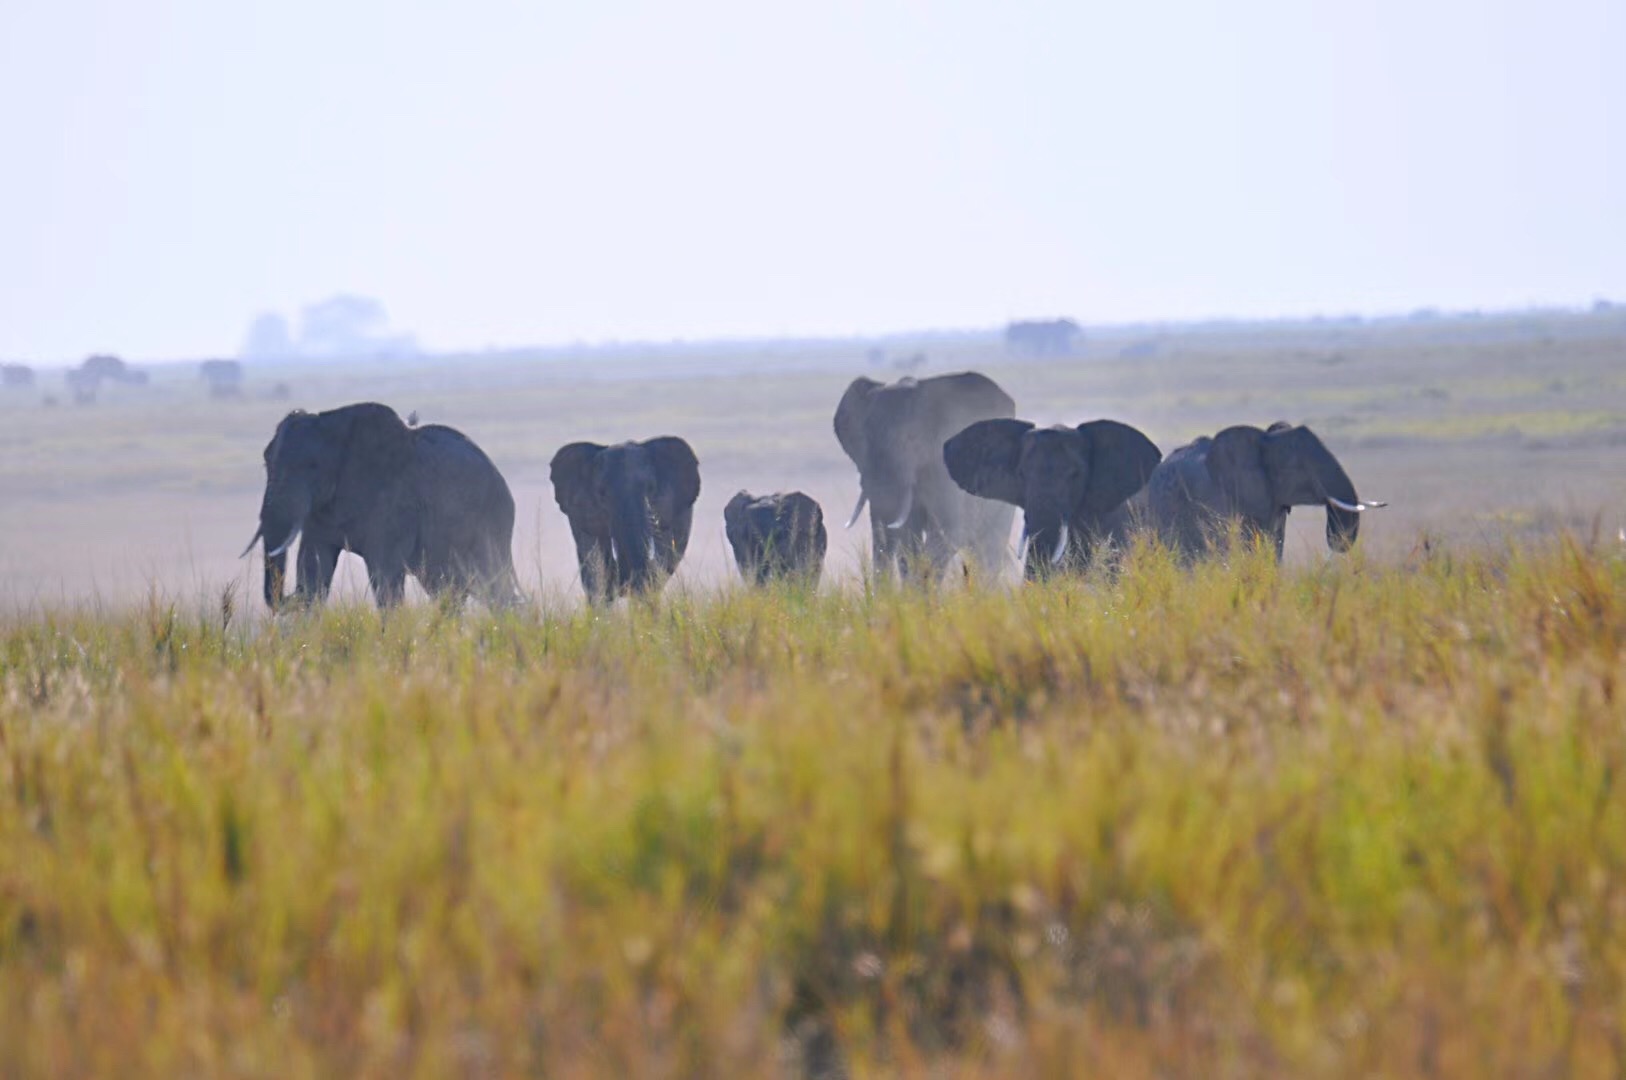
(105, 366)
(1042, 337)
(918, 516)
(86, 379)
(1065, 479)
(224, 377)
(1250, 477)
(422, 501)
(16, 375)
(630, 508)
(776, 536)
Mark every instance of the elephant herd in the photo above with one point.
(943, 465)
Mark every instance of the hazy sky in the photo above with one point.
(519, 172)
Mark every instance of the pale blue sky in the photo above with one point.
(510, 173)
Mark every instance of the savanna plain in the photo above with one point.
(1350, 815)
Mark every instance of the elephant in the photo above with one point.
(1251, 476)
(918, 516)
(776, 536)
(1065, 479)
(421, 501)
(630, 508)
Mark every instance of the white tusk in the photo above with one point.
(903, 515)
(1022, 546)
(257, 534)
(652, 549)
(286, 543)
(1355, 508)
(863, 497)
(1061, 546)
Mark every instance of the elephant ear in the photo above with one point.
(985, 459)
(677, 470)
(1236, 464)
(850, 416)
(737, 523)
(377, 445)
(1121, 462)
(572, 473)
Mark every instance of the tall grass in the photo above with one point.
(1357, 819)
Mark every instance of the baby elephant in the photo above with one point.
(776, 536)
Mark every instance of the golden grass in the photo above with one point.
(1356, 819)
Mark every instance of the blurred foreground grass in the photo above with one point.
(1359, 818)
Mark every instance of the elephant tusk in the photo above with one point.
(257, 534)
(1022, 546)
(863, 497)
(903, 515)
(1061, 547)
(652, 549)
(1355, 508)
(286, 544)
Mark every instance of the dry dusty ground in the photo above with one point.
(1476, 430)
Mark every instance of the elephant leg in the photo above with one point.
(498, 586)
(908, 557)
(596, 563)
(671, 540)
(317, 561)
(389, 584)
(993, 545)
(936, 553)
(597, 570)
(883, 548)
(925, 549)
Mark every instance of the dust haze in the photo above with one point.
(1483, 429)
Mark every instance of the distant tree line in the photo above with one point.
(344, 326)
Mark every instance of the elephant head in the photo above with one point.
(886, 459)
(1065, 479)
(630, 508)
(1261, 475)
(326, 466)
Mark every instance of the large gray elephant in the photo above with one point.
(776, 536)
(919, 517)
(421, 501)
(1065, 479)
(630, 508)
(1248, 476)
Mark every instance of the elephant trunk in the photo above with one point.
(276, 570)
(634, 544)
(282, 519)
(1045, 539)
(1343, 517)
(279, 533)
